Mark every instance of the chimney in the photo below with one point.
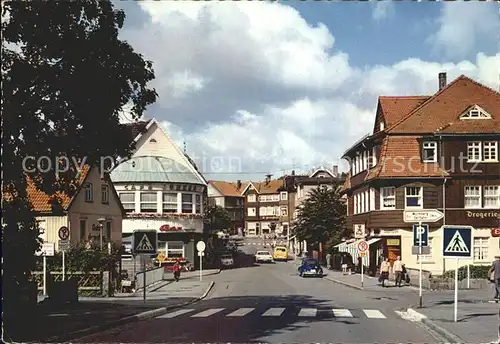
(335, 170)
(293, 172)
(268, 178)
(442, 81)
(238, 184)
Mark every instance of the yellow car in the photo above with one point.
(280, 253)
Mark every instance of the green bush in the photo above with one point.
(476, 271)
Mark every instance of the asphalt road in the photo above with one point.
(270, 303)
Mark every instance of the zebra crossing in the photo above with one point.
(276, 312)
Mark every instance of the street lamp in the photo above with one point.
(101, 221)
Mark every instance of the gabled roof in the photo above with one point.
(443, 110)
(42, 202)
(395, 108)
(247, 186)
(271, 187)
(227, 188)
(322, 170)
(400, 157)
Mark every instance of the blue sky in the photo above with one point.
(291, 85)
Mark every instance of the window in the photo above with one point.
(472, 196)
(104, 194)
(413, 196)
(187, 203)
(88, 192)
(108, 231)
(251, 198)
(269, 198)
(128, 201)
(382, 126)
(198, 204)
(388, 198)
(169, 202)
(358, 201)
(175, 249)
(251, 211)
(473, 151)
(491, 194)
(372, 200)
(481, 249)
(490, 151)
(263, 211)
(429, 150)
(475, 113)
(148, 202)
(284, 195)
(362, 202)
(374, 157)
(284, 211)
(83, 229)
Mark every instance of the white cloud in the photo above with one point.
(383, 10)
(256, 88)
(462, 23)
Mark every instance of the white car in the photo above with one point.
(264, 257)
(227, 261)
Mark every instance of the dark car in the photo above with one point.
(310, 267)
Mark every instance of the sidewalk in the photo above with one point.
(477, 321)
(50, 323)
(352, 281)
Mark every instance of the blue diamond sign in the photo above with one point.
(457, 242)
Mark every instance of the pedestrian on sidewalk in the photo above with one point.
(328, 261)
(385, 266)
(495, 271)
(398, 271)
(177, 270)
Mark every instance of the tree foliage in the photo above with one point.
(218, 217)
(321, 217)
(66, 77)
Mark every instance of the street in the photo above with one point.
(270, 303)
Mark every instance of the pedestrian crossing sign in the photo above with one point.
(145, 242)
(457, 242)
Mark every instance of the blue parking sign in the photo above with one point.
(457, 242)
(420, 231)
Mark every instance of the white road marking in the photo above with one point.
(308, 312)
(240, 312)
(342, 313)
(273, 312)
(207, 313)
(373, 314)
(175, 314)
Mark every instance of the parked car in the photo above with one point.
(310, 267)
(227, 261)
(263, 257)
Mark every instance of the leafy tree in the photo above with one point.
(66, 77)
(321, 217)
(218, 217)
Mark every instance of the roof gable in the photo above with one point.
(443, 110)
(391, 109)
(475, 112)
(226, 189)
(322, 170)
(249, 186)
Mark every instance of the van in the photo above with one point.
(280, 253)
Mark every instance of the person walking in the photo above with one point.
(328, 261)
(385, 266)
(495, 271)
(398, 271)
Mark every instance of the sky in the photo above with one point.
(253, 88)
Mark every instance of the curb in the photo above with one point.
(445, 334)
(344, 283)
(77, 335)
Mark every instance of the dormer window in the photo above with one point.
(152, 141)
(429, 151)
(475, 112)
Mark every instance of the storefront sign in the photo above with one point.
(392, 242)
(166, 187)
(495, 232)
(484, 214)
(168, 228)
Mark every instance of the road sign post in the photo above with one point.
(362, 249)
(421, 240)
(457, 243)
(426, 215)
(63, 234)
(145, 243)
(47, 250)
(200, 246)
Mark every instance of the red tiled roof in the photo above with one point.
(42, 202)
(395, 108)
(400, 156)
(227, 188)
(442, 111)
